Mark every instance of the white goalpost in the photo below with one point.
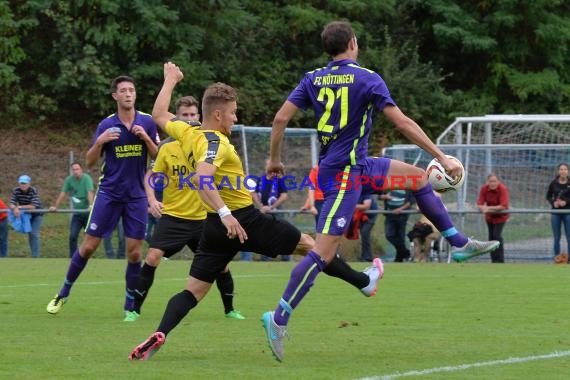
(524, 150)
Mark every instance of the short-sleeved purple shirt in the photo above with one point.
(125, 159)
(343, 95)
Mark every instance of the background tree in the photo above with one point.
(440, 58)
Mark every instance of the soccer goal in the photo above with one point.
(524, 150)
(300, 153)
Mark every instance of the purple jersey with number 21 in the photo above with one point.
(343, 95)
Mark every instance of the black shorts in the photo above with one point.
(266, 235)
(171, 234)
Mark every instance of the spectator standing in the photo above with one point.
(79, 187)
(493, 197)
(367, 203)
(396, 201)
(26, 197)
(3, 230)
(558, 195)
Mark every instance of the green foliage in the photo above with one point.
(507, 56)
(440, 58)
(416, 88)
(12, 26)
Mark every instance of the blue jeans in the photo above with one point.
(4, 237)
(395, 230)
(246, 256)
(365, 240)
(150, 227)
(78, 221)
(108, 243)
(319, 207)
(556, 220)
(34, 236)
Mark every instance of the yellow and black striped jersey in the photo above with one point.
(213, 147)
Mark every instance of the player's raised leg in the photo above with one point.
(416, 180)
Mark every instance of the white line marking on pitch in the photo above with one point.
(556, 354)
(122, 281)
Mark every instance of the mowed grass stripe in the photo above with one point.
(424, 316)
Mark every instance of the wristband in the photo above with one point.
(224, 211)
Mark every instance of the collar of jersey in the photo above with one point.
(342, 62)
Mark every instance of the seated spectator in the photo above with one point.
(422, 235)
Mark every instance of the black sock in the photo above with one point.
(178, 306)
(225, 284)
(340, 269)
(146, 278)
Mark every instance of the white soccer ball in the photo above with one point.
(440, 180)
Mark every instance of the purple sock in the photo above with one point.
(75, 268)
(432, 207)
(131, 278)
(302, 278)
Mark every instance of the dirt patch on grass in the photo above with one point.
(44, 154)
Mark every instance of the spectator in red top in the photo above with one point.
(493, 197)
(3, 230)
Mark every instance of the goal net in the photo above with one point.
(524, 150)
(299, 154)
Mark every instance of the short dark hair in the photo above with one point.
(216, 94)
(121, 78)
(335, 37)
(76, 163)
(186, 101)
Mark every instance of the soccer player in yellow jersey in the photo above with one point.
(181, 214)
(232, 222)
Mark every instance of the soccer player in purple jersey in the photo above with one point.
(126, 139)
(343, 95)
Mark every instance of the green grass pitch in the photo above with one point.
(434, 321)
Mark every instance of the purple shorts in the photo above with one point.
(342, 189)
(106, 213)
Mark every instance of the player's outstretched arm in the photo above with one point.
(160, 113)
(413, 132)
(282, 118)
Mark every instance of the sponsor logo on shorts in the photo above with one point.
(341, 222)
